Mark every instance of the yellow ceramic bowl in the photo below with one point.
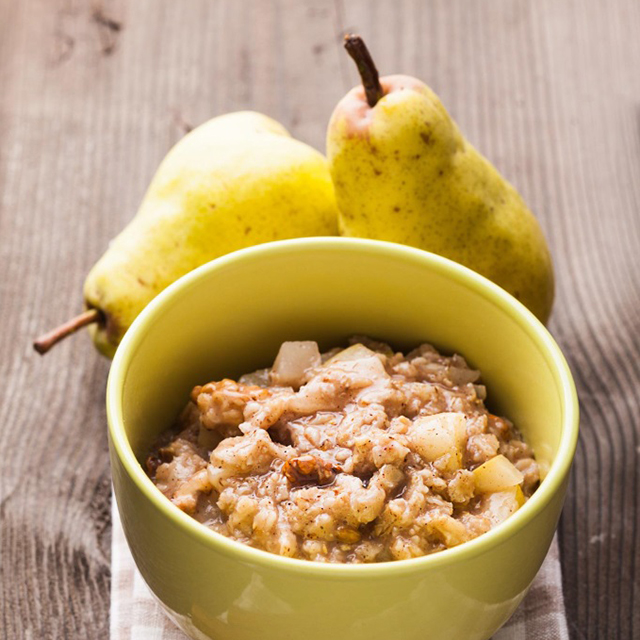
(229, 317)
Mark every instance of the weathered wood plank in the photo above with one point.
(93, 95)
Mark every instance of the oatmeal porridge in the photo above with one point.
(359, 455)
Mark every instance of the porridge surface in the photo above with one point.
(357, 455)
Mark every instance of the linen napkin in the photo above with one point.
(135, 614)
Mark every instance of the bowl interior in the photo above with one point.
(229, 317)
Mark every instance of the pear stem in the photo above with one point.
(49, 339)
(357, 49)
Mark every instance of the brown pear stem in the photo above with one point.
(357, 49)
(48, 340)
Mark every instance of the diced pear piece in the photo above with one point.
(520, 499)
(496, 474)
(502, 504)
(435, 436)
(293, 359)
(359, 358)
(354, 352)
(451, 531)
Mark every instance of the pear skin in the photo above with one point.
(404, 173)
(236, 181)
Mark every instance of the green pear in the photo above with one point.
(403, 172)
(235, 181)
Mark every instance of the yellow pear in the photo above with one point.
(403, 172)
(235, 181)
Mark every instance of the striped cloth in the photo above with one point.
(135, 615)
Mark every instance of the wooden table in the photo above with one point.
(92, 95)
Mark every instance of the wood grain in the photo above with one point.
(95, 93)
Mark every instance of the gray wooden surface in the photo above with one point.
(93, 94)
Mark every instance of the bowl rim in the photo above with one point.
(541, 337)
